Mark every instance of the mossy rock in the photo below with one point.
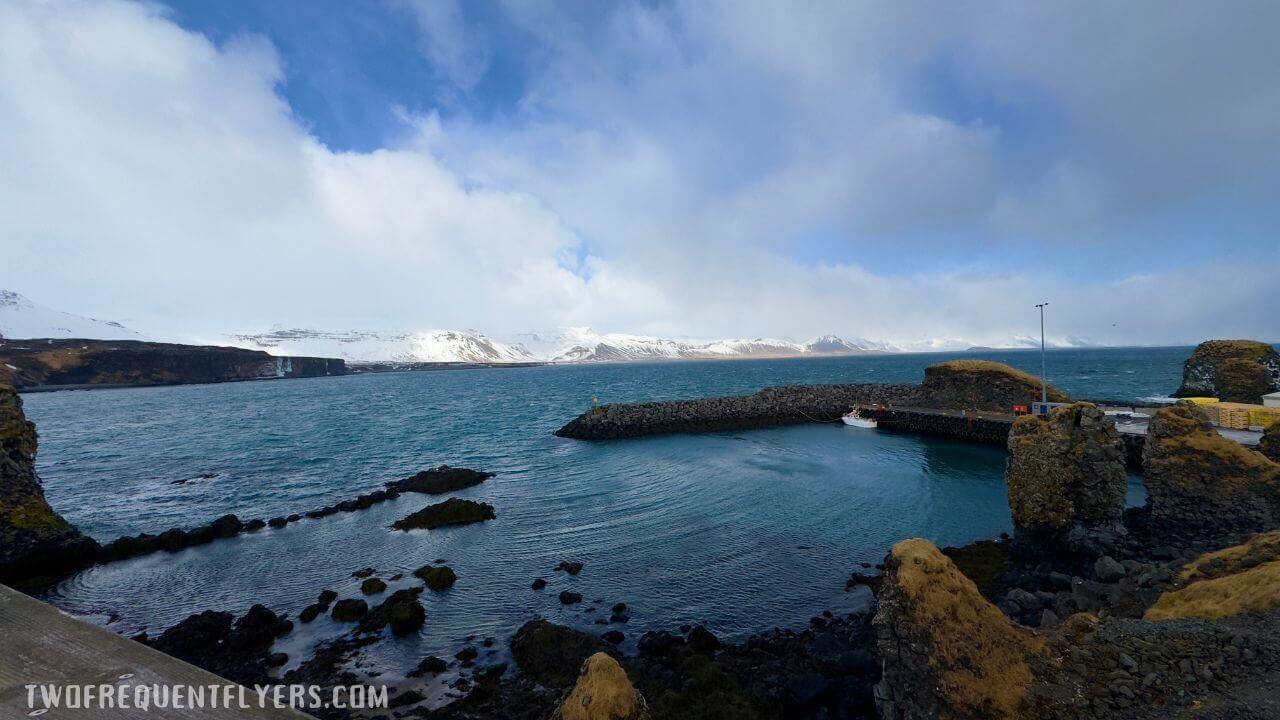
(1242, 380)
(982, 385)
(1200, 373)
(437, 577)
(453, 511)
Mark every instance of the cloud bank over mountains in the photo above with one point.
(687, 170)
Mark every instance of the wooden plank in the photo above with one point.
(41, 644)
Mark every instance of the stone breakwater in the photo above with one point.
(982, 428)
(771, 407)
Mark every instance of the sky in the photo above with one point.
(728, 168)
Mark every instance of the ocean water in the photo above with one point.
(744, 531)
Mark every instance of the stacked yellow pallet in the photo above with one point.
(1241, 416)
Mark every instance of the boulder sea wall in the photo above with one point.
(1199, 482)
(948, 652)
(981, 385)
(1067, 480)
(1208, 372)
(789, 405)
(34, 540)
(30, 364)
(987, 430)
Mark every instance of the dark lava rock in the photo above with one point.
(453, 511)
(311, 612)
(34, 540)
(568, 597)
(657, 643)
(401, 610)
(174, 539)
(571, 567)
(430, 665)
(255, 525)
(350, 610)
(551, 654)
(436, 577)
(619, 617)
(363, 573)
(326, 597)
(467, 654)
(438, 480)
(539, 583)
(1106, 569)
(613, 637)
(234, 649)
(618, 608)
(227, 526)
(372, 586)
(277, 522)
(702, 640)
(277, 659)
(295, 517)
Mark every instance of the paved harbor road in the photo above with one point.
(41, 645)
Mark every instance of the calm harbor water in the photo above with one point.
(744, 531)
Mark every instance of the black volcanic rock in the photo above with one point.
(34, 540)
(552, 654)
(439, 480)
(453, 511)
(131, 362)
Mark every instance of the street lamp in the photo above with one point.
(1044, 386)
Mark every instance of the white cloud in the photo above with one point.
(658, 176)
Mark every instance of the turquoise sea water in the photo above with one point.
(744, 531)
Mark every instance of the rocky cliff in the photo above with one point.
(981, 385)
(33, 538)
(1067, 480)
(1198, 481)
(948, 652)
(1233, 370)
(51, 363)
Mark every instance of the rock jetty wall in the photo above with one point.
(974, 428)
(41, 364)
(791, 405)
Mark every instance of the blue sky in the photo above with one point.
(889, 170)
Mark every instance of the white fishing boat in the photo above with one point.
(857, 419)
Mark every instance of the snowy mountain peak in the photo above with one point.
(21, 318)
(363, 346)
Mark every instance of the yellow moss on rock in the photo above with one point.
(980, 661)
(1261, 548)
(603, 692)
(1255, 590)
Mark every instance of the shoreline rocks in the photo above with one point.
(440, 480)
(34, 539)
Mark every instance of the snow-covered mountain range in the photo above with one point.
(21, 318)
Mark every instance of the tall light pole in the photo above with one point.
(1044, 385)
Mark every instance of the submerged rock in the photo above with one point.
(437, 577)
(981, 385)
(349, 610)
(1245, 361)
(34, 540)
(602, 692)
(1067, 480)
(1199, 482)
(401, 610)
(440, 479)
(570, 566)
(948, 652)
(453, 511)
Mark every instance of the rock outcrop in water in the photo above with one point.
(981, 385)
(439, 480)
(1067, 480)
(1200, 482)
(948, 652)
(236, 649)
(54, 363)
(34, 539)
(603, 692)
(454, 511)
(1233, 370)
